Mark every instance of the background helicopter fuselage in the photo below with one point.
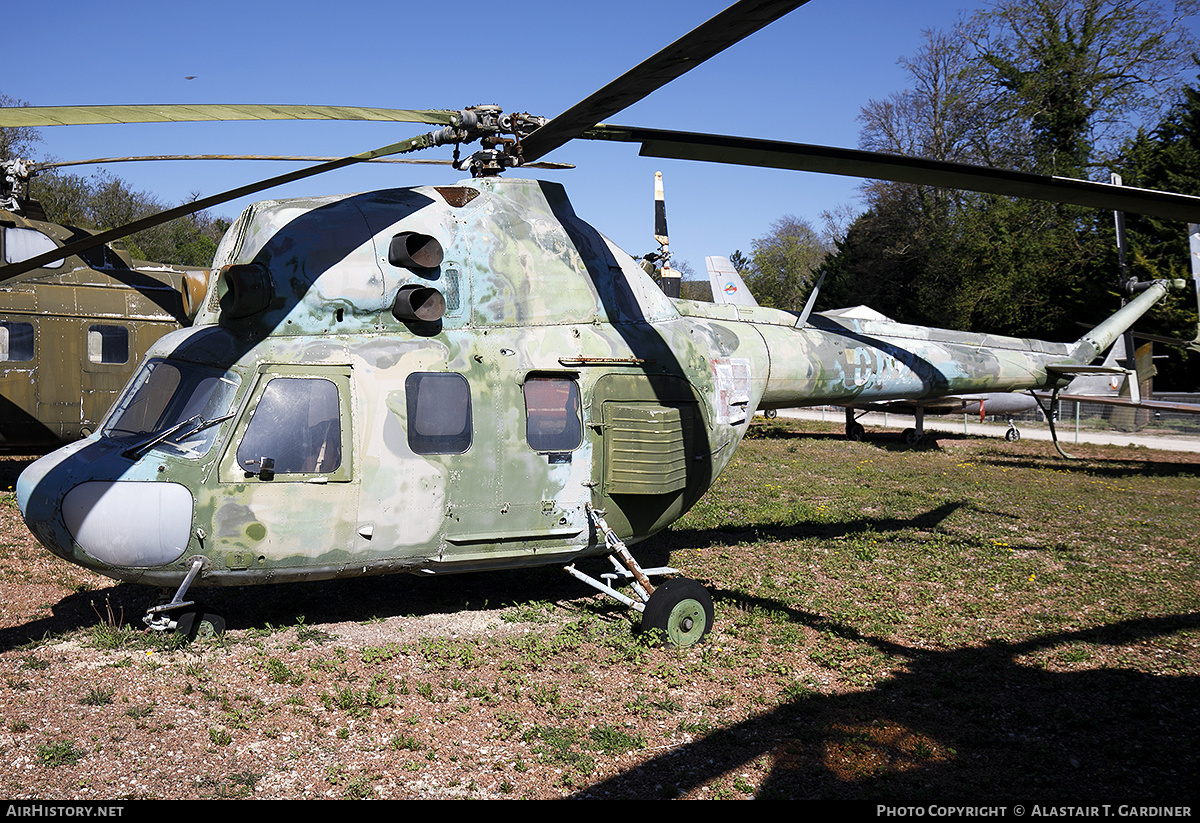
(304, 429)
(73, 332)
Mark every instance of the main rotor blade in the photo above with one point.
(746, 151)
(710, 38)
(12, 270)
(96, 161)
(36, 116)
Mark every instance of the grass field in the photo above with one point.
(980, 621)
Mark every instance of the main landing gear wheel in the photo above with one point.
(771, 414)
(682, 610)
(1012, 435)
(855, 432)
(199, 620)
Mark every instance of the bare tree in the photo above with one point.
(1081, 75)
(16, 142)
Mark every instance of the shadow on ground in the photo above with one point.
(976, 725)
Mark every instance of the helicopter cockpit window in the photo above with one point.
(172, 405)
(439, 413)
(297, 425)
(16, 342)
(108, 344)
(552, 421)
(22, 244)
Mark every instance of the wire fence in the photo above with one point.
(1072, 416)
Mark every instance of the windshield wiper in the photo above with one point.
(185, 429)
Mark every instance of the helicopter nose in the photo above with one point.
(129, 522)
(124, 523)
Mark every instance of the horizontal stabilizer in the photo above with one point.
(1066, 371)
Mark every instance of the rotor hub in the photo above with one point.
(15, 176)
(499, 133)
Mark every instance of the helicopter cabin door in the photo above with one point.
(288, 494)
(512, 458)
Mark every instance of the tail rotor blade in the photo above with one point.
(671, 279)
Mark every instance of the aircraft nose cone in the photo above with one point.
(129, 522)
(73, 497)
(38, 490)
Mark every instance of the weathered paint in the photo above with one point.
(666, 390)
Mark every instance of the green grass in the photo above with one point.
(968, 623)
(59, 753)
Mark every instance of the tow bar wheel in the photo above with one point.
(682, 610)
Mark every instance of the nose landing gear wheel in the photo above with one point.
(682, 610)
(199, 621)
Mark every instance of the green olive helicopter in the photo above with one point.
(73, 331)
(469, 377)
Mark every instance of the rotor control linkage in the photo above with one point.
(625, 566)
(485, 124)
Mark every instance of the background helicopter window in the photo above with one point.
(165, 394)
(22, 244)
(108, 344)
(297, 423)
(439, 413)
(552, 421)
(16, 342)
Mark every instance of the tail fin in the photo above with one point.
(727, 284)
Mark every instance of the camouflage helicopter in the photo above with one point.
(73, 330)
(469, 377)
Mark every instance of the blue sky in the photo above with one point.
(804, 78)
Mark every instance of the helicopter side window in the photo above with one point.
(439, 413)
(16, 342)
(552, 421)
(22, 244)
(297, 425)
(108, 344)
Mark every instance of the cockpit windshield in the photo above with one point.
(174, 405)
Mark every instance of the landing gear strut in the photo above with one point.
(681, 610)
(190, 618)
(916, 436)
(854, 429)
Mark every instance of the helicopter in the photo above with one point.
(469, 377)
(72, 334)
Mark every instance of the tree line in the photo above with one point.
(1075, 88)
